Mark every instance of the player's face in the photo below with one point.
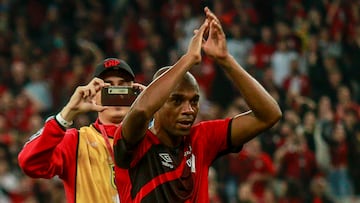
(179, 112)
(114, 114)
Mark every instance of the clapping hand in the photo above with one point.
(215, 44)
(195, 45)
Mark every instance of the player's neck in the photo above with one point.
(166, 139)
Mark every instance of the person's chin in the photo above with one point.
(119, 108)
(183, 131)
(117, 119)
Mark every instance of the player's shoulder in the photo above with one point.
(209, 123)
(201, 128)
(204, 128)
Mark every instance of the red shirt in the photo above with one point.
(299, 165)
(262, 53)
(339, 154)
(79, 157)
(262, 164)
(303, 86)
(153, 172)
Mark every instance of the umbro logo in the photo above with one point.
(165, 157)
(166, 160)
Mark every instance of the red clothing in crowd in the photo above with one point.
(299, 165)
(244, 166)
(262, 164)
(298, 83)
(339, 154)
(262, 53)
(18, 118)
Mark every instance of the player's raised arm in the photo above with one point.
(265, 111)
(154, 96)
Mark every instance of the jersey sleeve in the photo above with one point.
(122, 154)
(49, 152)
(214, 139)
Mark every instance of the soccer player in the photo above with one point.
(82, 158)
(169, 161)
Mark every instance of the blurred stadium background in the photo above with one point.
(306, 53)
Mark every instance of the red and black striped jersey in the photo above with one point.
(153, 172)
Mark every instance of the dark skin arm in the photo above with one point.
(265, 111)
(155, 95)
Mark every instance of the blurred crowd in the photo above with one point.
(304, 52)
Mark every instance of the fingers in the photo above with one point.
(195, 45)
(94, 86)
(198, 33)
(97, 84)
(139, 86)
(216, 28)
(215, 45)
(91, 89)
(87, 92)
(204, 26)
(214, 21)
(98, 108)
(210, 15)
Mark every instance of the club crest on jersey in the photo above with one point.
(166, 160)
(190, 159)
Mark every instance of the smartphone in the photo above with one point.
(118, 95)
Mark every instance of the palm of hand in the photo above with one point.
(81, 103)
(87, 105)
